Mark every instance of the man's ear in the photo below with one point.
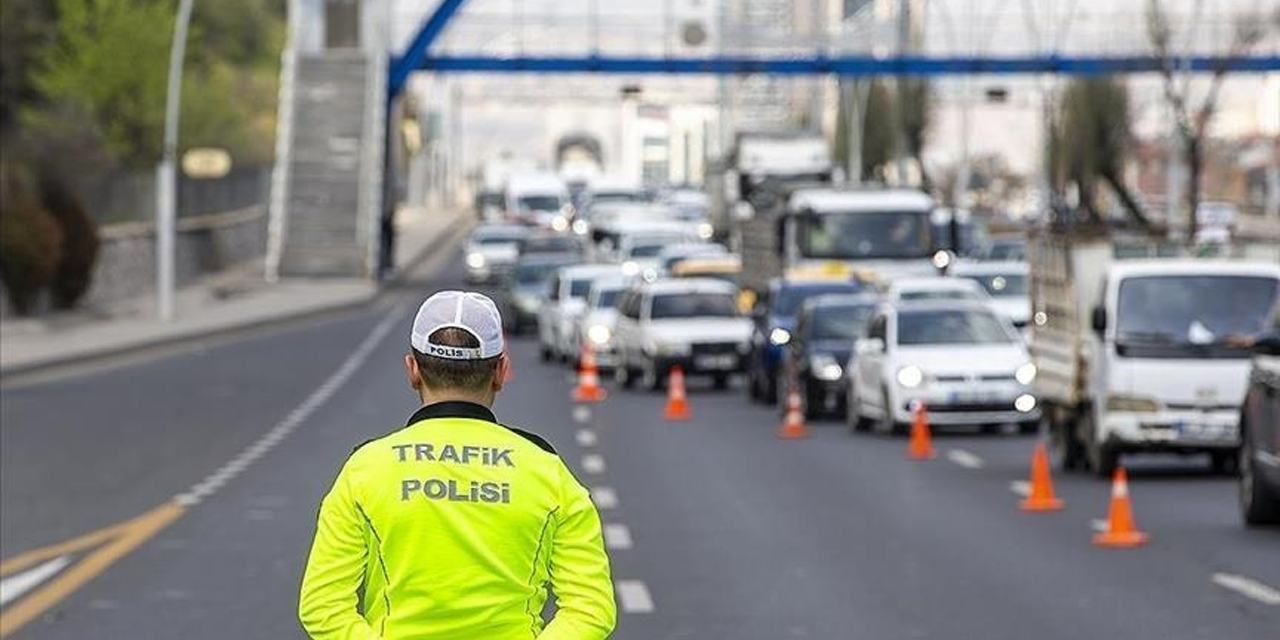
(412, 373)
(501, 372)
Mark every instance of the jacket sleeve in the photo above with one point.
(328, 603)
(579, 570)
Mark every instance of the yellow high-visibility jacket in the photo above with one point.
(453, 528)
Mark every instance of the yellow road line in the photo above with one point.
(119, 540)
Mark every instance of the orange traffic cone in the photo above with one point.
(588, 389)
(1121, 531)
(793, 426)
(921, 445)
(677, 403)
(1041, 498)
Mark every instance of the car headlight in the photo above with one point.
(580, 227)
(599, 334)
(560, 223)
(705, 231)
(630, 269)
(1026, 374)
(1136, 404)
(475, 260)
(1025, 403)
(779, 337)
(825, 367)
(910, 376)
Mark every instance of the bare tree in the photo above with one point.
(1092, 140)
(1191, 120)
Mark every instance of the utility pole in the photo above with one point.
(166, 172)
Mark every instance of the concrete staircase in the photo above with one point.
(331, 208)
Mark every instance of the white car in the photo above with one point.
(492, 250)
(1006, 283)
(963, 360)
(691, 323)
(566, 300)
(598, 323)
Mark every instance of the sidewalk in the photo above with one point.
(221, 303)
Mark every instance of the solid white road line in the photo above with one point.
(1020, 487)
(227, 472)
(604, 497)
(1248, 587)
(593, 463)
(965, 459)
(617, 536)
(586, 438)
(634, 596)
(582, 414)
(20, 583)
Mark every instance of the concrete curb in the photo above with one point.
(449, 235)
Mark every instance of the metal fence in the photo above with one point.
(131, 196)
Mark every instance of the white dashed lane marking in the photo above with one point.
(224, 474)
(1099, 524)
(593, 463)
(604, 497)
(617, 536)
(586, 438)
(582, 414)
(634, 596)
(1248, 587)
(1021, 488)
(965, 459)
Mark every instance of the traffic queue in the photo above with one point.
(852, 299)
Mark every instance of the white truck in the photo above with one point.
(764, 160)
(1141, 354)
(885, 233)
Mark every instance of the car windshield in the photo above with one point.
(693, 305)
(938, 294)
(844, 322)
(499, 236)
(1180, 316)
(549, 244)
(789, 299)
(580, 288)
(865, 235)
(616, 196)
(540, 203)
(951, 327)
(533, 273)
(1007, 251)
(491, 199)
(1002, 285)
(646, 250)
(607, 298)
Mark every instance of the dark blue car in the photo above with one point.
(820, 348)
(774, 316)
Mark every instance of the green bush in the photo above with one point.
(30, 242)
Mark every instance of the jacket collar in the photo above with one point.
(453, 409)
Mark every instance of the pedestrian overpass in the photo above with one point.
(348, 62)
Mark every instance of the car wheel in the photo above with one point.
(720, 381)
(1066, 445)
(887, 423)
(853, 411)
(812, 408)
(1103, 458)
(1029, 428)
(544, 353)
(1223, 462)
(1259, 502)
(753, 385)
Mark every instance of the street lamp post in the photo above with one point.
(166, 173)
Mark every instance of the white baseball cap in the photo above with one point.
(466, 310)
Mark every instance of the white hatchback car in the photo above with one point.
(964, 361)
(934, 288)
(492, 250)
(598, 323)
(691, 322)
(566, 300)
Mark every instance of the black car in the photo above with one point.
(774, 319)
(1260, 433)
(821, 346)
(525, 287)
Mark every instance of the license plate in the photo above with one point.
(716, 362)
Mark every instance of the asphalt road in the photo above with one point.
(718, 529)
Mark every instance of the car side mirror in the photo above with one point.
(1267, 344)
(1099, 319)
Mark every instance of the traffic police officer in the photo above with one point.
(453, 526)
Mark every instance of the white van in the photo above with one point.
(540, 199)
